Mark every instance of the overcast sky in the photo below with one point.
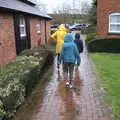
(52, 4)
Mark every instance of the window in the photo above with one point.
(38, 28)
(22, 26)
(114, 23)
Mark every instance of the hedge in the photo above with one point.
(90, 29)
(110, 45)
(18, 78)
(90, 36)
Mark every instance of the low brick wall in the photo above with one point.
(7, 39)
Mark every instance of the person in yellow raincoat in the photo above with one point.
(59, 37)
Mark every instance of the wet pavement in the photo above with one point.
(83, 102)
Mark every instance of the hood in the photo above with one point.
(68, 37)
(62, 27)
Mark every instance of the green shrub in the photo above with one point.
(52, 43)
(2, 110)
(52, 31)
(18, 78)
(91, 36)
(111, 45)
(90, 29)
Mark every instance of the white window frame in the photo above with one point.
(114, 23)
(38, 27)
(22, 25)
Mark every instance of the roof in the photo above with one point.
(17, 5)
(32, 1)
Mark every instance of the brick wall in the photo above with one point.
(104, 8)
(48, 23)
(7, 39)
(7, 36)
(37, 38)
(42, 31)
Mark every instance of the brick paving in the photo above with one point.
(83, 102)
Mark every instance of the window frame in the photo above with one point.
(113, 23)
(23, 25)
(38, 27)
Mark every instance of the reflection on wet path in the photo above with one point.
(55, 102)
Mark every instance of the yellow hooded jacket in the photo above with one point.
(59, 36)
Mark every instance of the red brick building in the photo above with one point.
(108, 18)
(22, 26)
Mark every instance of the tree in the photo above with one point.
(93, 13)
(85, 7)
(71, 12)
(64, 11)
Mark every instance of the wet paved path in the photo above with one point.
(83, 102)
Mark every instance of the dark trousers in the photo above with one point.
(68, 69)
(58, 60)
(58, 57)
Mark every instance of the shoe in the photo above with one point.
(67, 84)
(71, 86)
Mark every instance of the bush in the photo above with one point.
(52, 31)
(52, 42)
(18, 78)
(91, 36)
(111, 45)
(90, 29)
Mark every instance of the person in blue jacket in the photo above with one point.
(69, 56)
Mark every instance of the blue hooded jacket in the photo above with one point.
(69, 51)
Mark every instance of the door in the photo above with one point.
(22, 32)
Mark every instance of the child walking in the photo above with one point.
(68, 56)
(79, 45)
(59, 37)
(78, 42)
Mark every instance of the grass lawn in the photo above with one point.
(108, 66)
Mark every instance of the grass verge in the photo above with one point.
(108, 66)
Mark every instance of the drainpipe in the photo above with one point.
(45, 33)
